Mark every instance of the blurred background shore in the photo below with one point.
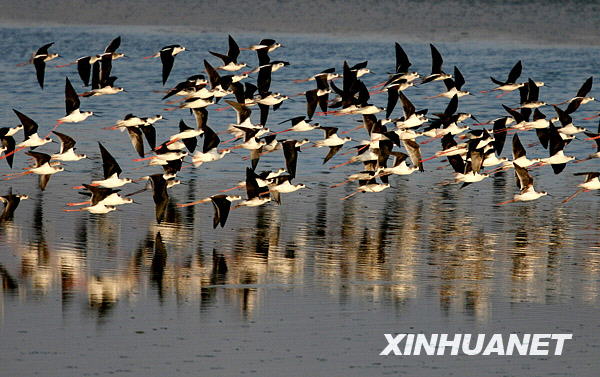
(535, 22)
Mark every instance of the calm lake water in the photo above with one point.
(307, 288)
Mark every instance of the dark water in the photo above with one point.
(308, 287)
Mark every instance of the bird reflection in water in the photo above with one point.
(381, 252)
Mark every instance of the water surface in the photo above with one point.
(308, 287)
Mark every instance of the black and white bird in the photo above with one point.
(437, 73)
(230, 62)
(72, 105)
(39, 60)
(167, 57)
(67, 149)
(11, 202)
(30, 129)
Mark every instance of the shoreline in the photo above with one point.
(531, 23)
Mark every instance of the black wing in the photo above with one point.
(167, 59)
(67, 142)
(40, 68)
(213, 75)
(71, 98)
(263, 82)
(525, 180)
(84, 69)
(40, 158)
(30, 127)
(135, 134)
(234, 50)
(105, 72)
(311, 102)
(514, 74)
(436, 60)
(211, 140)
(44, 49)
(150, 134)
(393, 95)
(8, 142)
(459, 79)
(407, 106)
(109, 164)
(402, 62)
(414, 151)
(586, 87)
(517, 148)
(252, 188)
(96, 75)
(222, 205)
(499, 134)
(332, 152)
(201, 116)
(290, 152)
(113, 45)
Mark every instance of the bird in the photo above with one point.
(111, 171)
(209, 148)
(520, 155)
(39, 60)
(30, 129)
(437, 73)
(72, 104)
(43, 168)
(167, 57)
(592, 182)
(511, 81)
(102, 82)
(331, 140)
(299, 124)
(581, 98)
(8, 144)
(257, 195)
(557, 159)
(103, 196)
(530, 96)
(230, 62)
(67, 149)
(187, 87)
(11, 202)
(453, 86)
(527, 191)
(112, 47)
(400, 167)
(159, 195)
(188, 135)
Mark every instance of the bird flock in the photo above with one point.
(388, 145)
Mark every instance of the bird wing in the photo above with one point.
(109, 164)
(135, 134)
(44, 49)
(414, 151)
(586, 87)
(40, 68)
(71, 98)
(167, 59)
(436, 60)
(66, 141)
(402, 62)
(113, 45)
(514, 73)
(30, 127)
